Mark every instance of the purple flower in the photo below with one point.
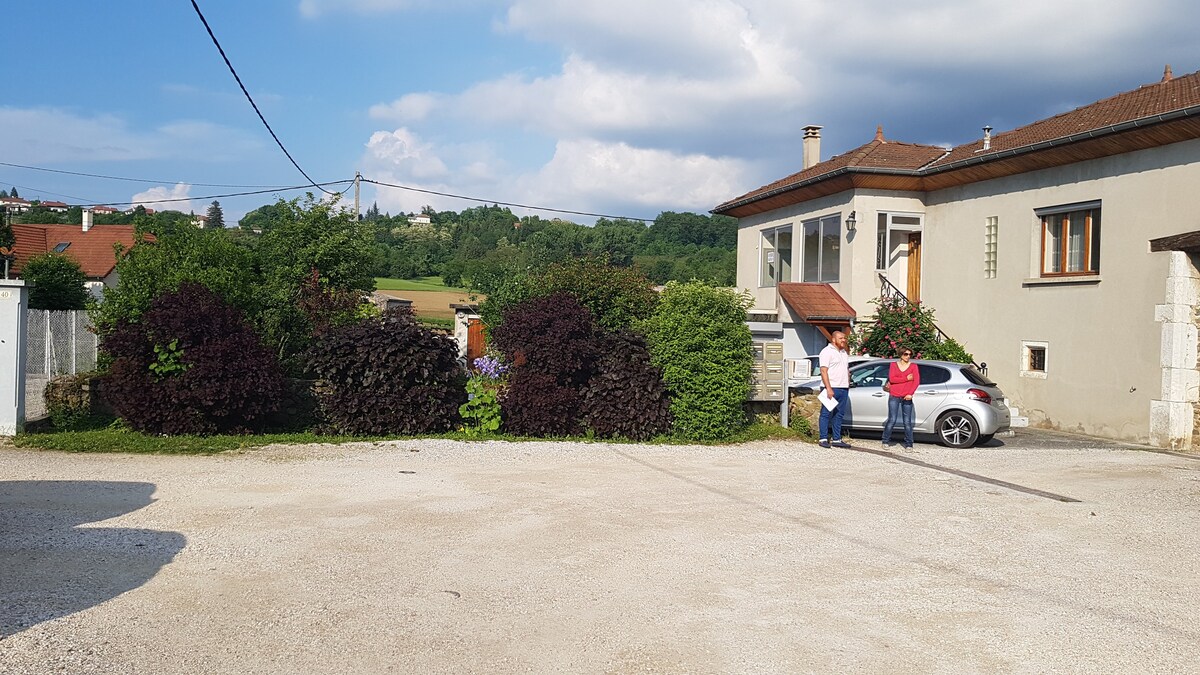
(490, 367)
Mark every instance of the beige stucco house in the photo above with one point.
(1062, 253)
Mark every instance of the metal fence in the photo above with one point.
(58, 343)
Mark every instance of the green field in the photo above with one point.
(418, 284)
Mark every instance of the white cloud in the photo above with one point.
(582, 175)
(401, 152)
(406, 109)
(596, 173)
(694, 101)
(156, 198)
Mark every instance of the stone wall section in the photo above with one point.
(1174, 416)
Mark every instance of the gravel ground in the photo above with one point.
(443, 556)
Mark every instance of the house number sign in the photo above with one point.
(4, 295)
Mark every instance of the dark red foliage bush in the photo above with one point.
(626, 396)
(535, 404)
(191, 365)
(553, 335)
(388, 375)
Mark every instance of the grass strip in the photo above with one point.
(133, 442)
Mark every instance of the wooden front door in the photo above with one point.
(914, 267)
(476, 345)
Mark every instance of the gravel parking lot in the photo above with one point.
(1042, 553)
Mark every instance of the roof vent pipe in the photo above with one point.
(812, 145)
(987, 138)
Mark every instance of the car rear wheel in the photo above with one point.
(957, 430)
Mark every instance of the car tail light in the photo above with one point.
(980, 395)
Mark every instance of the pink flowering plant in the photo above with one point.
(481, 412)
(898, 324)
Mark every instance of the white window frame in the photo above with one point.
(1027, 348)
(821, 221)
(890, 225)
(763, 250)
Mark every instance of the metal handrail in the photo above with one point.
(889, 290)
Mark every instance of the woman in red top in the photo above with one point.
(903, 379)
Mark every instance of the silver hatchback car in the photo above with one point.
(955, 402)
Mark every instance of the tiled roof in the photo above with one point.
(93, 250)
(1144, 102)
(877, 154)
(1171, 95)
(815, 302)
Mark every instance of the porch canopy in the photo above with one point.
(818, 305)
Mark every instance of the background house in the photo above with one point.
(90, 246)
(1033, 245)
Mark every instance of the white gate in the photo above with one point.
(59, 342)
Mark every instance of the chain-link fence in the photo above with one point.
(58, 343)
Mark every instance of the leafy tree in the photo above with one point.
(698, 337)
(216, 217)
(39, 215)
(7, 238)
(57, 282)
(156, 266)
(263, 219)
(618, 297)
(309, 235)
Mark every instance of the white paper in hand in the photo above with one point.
(829, 403)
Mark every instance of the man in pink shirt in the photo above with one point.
(835, 375)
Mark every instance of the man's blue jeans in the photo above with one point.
(901, 411)
(842, 396)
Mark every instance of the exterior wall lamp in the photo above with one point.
(851, 221)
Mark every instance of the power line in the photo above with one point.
(56, 194)
(129, 180)
(319, 186)
(500, 203)
(251, 99)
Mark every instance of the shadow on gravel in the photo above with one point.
(50, 567)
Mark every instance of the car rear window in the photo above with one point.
(975, 377)
(933, 374)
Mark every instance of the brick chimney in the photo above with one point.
(812, 145)
(87, 219)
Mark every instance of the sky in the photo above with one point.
(615, 107)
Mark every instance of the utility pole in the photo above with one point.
(357, 180)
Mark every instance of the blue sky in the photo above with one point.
(623, 107)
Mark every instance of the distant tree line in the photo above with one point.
(480, 246)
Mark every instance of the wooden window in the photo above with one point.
(1037, 359)
(1033, 359)
(1070, 241)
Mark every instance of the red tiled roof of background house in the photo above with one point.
(93, 250)
(876, 154)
